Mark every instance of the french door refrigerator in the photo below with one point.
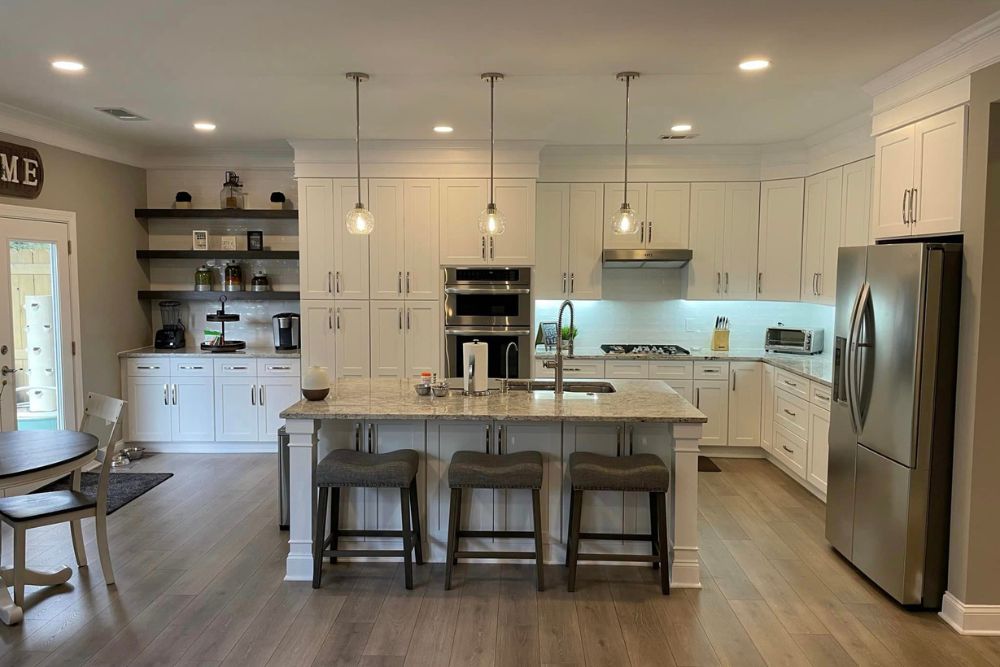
(892, 415)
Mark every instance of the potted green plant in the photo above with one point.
(569, 334)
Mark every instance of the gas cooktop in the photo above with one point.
(644, 349)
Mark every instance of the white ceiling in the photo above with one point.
(268, 71)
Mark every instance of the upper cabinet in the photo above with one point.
(919, 170)
(821, 236)
(779, 266)
(857, 203)
(663, 211)
(350, 251)
(569, 228)
(404, 243)
(316, 238)
(462, 244)
(724, 228)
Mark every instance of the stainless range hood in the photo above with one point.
(650, 259)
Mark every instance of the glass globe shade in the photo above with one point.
(623, 221)
(360, 220)
(491, 221)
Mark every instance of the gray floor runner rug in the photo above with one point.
(123, 487)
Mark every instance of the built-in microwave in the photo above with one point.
(487, 296)
(794, 341)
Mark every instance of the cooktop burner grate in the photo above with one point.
(644, 349)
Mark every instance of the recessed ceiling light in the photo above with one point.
(204, 126)
(683, 127)
(754, 64)
(68, 66)
(444, 129)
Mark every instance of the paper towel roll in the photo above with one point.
(476, 367)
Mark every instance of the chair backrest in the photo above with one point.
(101, 415)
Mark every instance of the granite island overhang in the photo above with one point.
(379, 415)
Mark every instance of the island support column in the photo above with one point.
(301, 497)
(686, 570)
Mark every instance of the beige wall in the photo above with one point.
(103, 194)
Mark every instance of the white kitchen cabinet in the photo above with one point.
(515, 197)
(819, 446)
(381, 508)
(740, 232)
(857, 203)
(623, 369)
(668, 215)
(551, 276)
(316, 238)
(462, 244)
(670, 370)
(642, 438)
(443, 440)
(767, 408)
(388, 339)
(572, 368)
(352, 333)
(422, 328)
(350, 251)
(274, 394)
(779, 261)
(512, 507)
(568, 232)
(150, 414)
(236, 417)
(421, 214)
(683, 387)
(192, 401)
(821, 236)
(744, 403)
(724, 229)
(612, 202)
(790, 450)
(319, 340)
(712, 398)
(387, 240)
(708, 214)
(337, 434)
(918, 177)
(603, 511)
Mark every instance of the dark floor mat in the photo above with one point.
(123, 487)
(706, 464)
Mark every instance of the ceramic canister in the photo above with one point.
(316, 383)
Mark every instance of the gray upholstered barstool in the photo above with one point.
(349, 468)
(479, 470)
(644, 473)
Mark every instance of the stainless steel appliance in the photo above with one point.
(285, 327)
(669, 258)
(793, 340)
(892, 415)
(171, 336)
(491, 305)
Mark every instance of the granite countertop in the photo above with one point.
(248, 353)
(633, 400)
(816, 367)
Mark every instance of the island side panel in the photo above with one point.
(301, 501)
(685, 570)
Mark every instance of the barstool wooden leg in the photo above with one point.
(404, 509)
(334, 521)
(661, 527)
(654, 540)
(453, 514)
(576, 500)
(458, 520)
(536, 508)
(572, 511)
(319, 538)
(415, 511)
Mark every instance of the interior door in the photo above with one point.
(38, 378)
(236, 409)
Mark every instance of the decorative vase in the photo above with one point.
(316, 383)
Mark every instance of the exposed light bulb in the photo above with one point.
(360, 220)
(492, 221)
(624, 221)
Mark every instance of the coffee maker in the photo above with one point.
(286, 331)
(171, 336)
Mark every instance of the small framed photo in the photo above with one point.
(199, 239)
(547, 333)
(255, 240)
(227, 243)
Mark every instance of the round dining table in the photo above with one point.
(27, 458)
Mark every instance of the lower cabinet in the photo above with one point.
(767, 408)
(336, 334)
(819, 446)
(191, 409)
(712, 398)
(744, 403)
(801, 428)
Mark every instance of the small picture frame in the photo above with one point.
(199, 239)
(547, 332)
(255, 241)
(227, 243)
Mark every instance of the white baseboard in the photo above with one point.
(725, 452)
(208, 447)
(970, 619)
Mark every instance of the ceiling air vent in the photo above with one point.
(676, 137)
(121, 113)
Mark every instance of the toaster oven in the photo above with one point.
(794, 341)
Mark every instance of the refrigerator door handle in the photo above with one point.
(860, 359)
(852, 351)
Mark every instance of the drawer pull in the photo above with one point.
(790, 384)
(575, 370)
(148, 368)
(191, 368)
(234, 368)
(789, 412)
(711, 370)
(279, 368)
(822, 397)
(790, 451)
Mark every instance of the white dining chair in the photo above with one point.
(101, 415)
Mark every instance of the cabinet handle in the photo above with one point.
(572, 283)
(816, 284)
(697, 398)
(329, 282)
(642, 232)
(760, 277)
(789, 412)
(564, 283)
(166, 400)
(338, 319)
(149, 368)
(338, 281)
(631, 439)
(234, 368)
(260, 395)
(500, 439)
(734, 380)
(279, 368)
(174, 394)
(727, 282)
(913, 206)
(371, 439)
(718, 282)
(407, 282)
(253, 394)
(710, 370)
(790, 383)
(902, 214)
(649, 236)
(487, 438)
(329, 319)
(822, 397)
(407, 318)
(190, 368)
(484, 247)
(399, 283)
(790, 451)
(400, 313)
(618, 441)
(493, 248)
(357, 437)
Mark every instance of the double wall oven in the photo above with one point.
(491, 305)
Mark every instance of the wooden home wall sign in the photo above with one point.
(21, 171)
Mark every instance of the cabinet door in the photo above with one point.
(740, 237)
(193, 413)
(586, 225)
(319, 342)
(644, 439)
(779, 251)
(819, 446)
(856, 209)
(149, 414)
(603, 511)
(382, 505)
(612, 202)
(477, 504)
(274, 394)
(712, 398)
(316, 231)
(337, 434)
(422, 323)
(421, 217)
(513, 509)
(767, 408)
(893, 177)
(385, 271)
(388, 339)
(708, 214)
(515, 197)
(236, 409)
(683, 387)
(351, 320)
(827, 283)
(938, 173)
(668, 215)
(462, 200)
(350, 263)
(551, 277)
(821, 236)
(744, 403)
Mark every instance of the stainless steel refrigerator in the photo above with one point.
(892, 415)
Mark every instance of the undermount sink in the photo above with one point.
(569, 386)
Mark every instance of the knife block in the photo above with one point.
(720, 340)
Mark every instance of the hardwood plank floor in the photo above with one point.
(199, 564)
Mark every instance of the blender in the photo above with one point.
(171, 336)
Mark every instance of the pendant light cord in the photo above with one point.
(492, 83)
(628, 81)
(357, 131)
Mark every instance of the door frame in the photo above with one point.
(68, 218)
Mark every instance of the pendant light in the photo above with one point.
(491, 221)
(359, 219)
(623, 221)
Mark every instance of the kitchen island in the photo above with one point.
(613, 418)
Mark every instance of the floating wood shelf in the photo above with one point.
(217, 254)
(191, 295)
(217, 213)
